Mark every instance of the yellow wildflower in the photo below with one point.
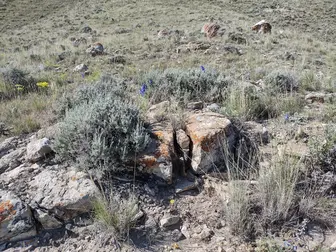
(43, 84)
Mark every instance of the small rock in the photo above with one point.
(80, 68)
(169, 220)
(38, 149)
(86, 29)
(333, 246)
(176, 235)
(95, 49)
(185, 232)
(213, 107)
(47, 221)
(195, 105)
(118, 59)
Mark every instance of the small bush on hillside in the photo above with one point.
(323, 149)
(17, 81)
(100, 132)
(283, 81)
(309, 81)
(185, 85)
(106, 86)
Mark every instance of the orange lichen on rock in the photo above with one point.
(6, 210)
(148, 161)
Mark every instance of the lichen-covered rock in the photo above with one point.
(209, 132)
(16, 221)
(156, 159)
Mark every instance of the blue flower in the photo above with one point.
(202, 68)
(150, 81)
(143, 89)
(83, 75)
(286, 117)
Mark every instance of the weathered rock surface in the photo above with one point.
(38, 149)
(169, 220)
(12, 159)
(209, 132)
(16, 220)
(65, 193)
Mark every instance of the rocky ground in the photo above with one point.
(48, 205)
(45, 206)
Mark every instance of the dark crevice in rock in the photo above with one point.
(181, 160)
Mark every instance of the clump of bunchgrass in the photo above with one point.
(116, 214)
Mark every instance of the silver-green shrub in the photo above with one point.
(185, 85)
(101, 131)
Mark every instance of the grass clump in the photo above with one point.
(118, 215)
(251, 104)
(100, 130)
(276, 186)
(185, 85)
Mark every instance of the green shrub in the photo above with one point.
(185, 85)
(323, 149)
(282, 81)
(106, 86)
(100, 131)
(16, 82)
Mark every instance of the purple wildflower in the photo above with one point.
(286, 117)
(83, 74)
(150, 81)
(202, 68)
(143, 89)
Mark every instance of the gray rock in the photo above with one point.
(38, 149)
(16, 221)
(7, 145)
(80, 68)
(86, 29)
(333, 246)
(185, 232)
(11, 160)
(66, 193)
(169, 220)
(47, 221)
(213, 107)
(177, 235)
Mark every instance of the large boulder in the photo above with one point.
(212, 135)
(16, 220)
(64, 193)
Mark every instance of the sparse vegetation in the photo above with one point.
(262, 78)
(118, 215)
